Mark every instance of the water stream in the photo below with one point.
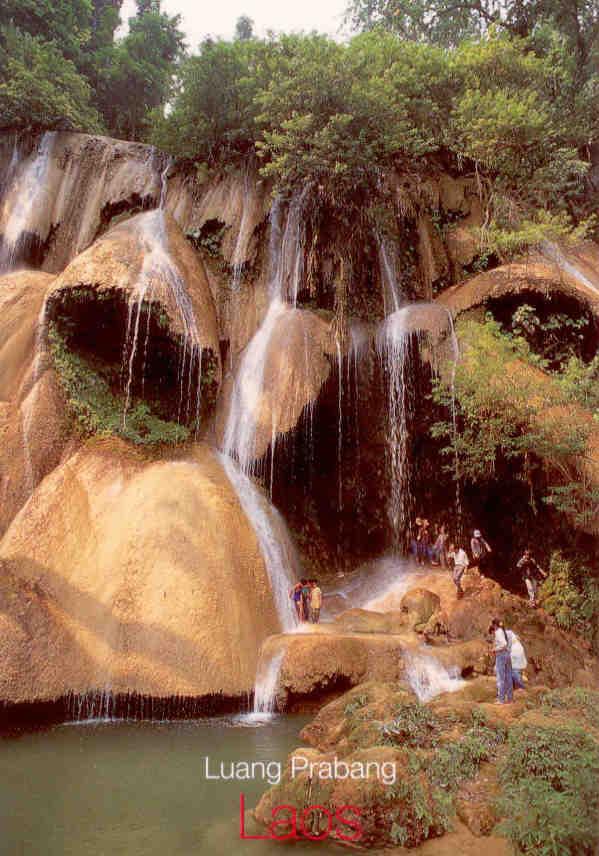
(24, 200)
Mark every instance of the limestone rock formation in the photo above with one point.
(78, 183)
(570, 272)
(128, 574)
(33, 428)
(281, 381)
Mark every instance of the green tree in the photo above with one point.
(40, 88)
(67, 23)
(139, 78)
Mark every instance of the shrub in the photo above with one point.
(550, 800)
(458, 761)
(414, 725)
(572, 599)
(97, 410)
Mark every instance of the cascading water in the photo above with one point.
(280, 558)
(159, 271)
(415, 324)
(23, 201)
(285, 271)
(394, 347)
(428, 677)
(267, 683)
(388, 266)
(239, 443)
(240, 251)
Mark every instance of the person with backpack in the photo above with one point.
(503, 662)
(480, 549)
(532, 575)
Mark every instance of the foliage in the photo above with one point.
(454, 762)
(580, 382)
(97, 410)
(414, 725)
(550, 795)
(40, 87)
(555, 338)
(572, 598)
(138, 78)
(585, 701)
(503, 411)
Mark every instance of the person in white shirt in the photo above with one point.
(460, 563)
(503, 662)
(518, 657)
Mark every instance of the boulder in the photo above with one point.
(132, 575)
(420, 604)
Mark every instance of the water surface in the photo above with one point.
(135, 788)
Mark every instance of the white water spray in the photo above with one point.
(267, 684)
(24, 200)
(429, 678)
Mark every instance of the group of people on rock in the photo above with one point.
(307, 599)
(433, 546)
(510, 661)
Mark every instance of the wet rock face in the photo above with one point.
(136, 567)
(34, 430)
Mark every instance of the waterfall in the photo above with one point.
(241, 245)
(24, 201)
(285, 273)
(394, 347)
(429, 678)
(425, 325)
(278, 552)
(388, 266)
(267, 683)
(239, 442)
(159, 270)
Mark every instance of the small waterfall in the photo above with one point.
(388, 265)
(158, 270)
(280, 558)
(429, 678)
(429, 327)
(23, 201)
(285, 273)
(267, 684)
(394, 347)
(241, 245)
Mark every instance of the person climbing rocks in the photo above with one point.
(306, 591)
(532, 574)
(315, 601)
(480, 549)
(296, 596)
(460, 563)
(518, 658)
(440, 547)
(503, 662)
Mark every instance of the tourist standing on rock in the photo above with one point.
(460, 563)
(418, 541)
(518, 658)
(503, 662)
(306, 592)
(532, 574)
(296, 596)
(480, 549)
(440, 547)
(315, 601)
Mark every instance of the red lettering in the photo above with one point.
(242, 833)
(289, 821)
(340, 817)
(306, 813)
